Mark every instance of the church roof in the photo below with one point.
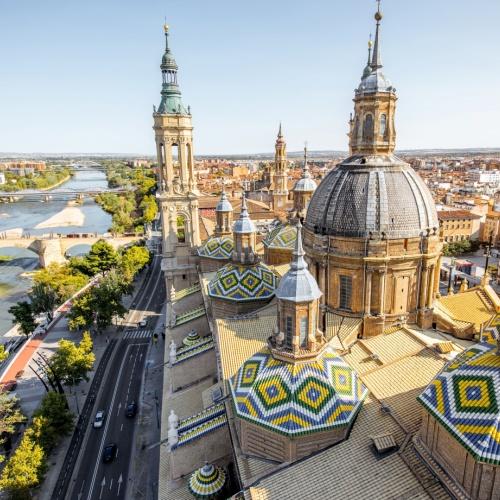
(372, 195)
(242, 283)
(217, 247)
(465, 399)
(283, 237)
(297, 398)
(244, 225)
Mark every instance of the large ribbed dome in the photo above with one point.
(379, 196)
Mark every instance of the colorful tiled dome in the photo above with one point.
(219, 248)
(297, 398)
(243, 283)
(191, 338)
(283, 236)
(465, 399)
(207, 482)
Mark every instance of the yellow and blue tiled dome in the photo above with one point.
(297, 398)
(465, 399)
(243, 283)
(283, 236)
(207, 482)
(217, 247)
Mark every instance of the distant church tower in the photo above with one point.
(280, 191)
(178, 196)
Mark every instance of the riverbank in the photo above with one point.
(57, 184)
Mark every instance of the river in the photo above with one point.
(36, 218)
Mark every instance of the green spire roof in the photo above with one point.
(171, 100)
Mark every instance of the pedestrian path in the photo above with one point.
(137, 334)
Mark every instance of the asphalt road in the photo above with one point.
(95, 480)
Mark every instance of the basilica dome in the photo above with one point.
(372, 195)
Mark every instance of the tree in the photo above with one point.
(43, 300)
(10, 417)
(25, 469)
(133, 260)
(107, 298)
(71, 362)
(3, 353)
(81, 314)
(52, 420)
(23, 316)
(149, 208)
(62, 278)
(101, 258)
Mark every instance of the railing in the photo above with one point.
(201, 430)
(195, 350)
(190, 315)
(201, 417)
(187, 291)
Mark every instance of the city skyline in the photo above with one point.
(289, 65)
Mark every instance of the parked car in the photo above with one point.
(109, 453)
(99, 419)
(131, 410)
(143, 322)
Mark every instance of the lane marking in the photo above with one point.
(108, 420)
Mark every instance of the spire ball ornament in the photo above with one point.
(165, 28)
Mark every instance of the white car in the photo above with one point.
(143, 322)
(99, 419)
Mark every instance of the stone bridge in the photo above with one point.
(54, 249)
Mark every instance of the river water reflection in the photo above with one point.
(37, 218)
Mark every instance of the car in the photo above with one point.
(99, 419)
(143, 322)
(109, 453)
(131, 410)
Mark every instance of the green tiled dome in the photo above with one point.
(297, 398)
(465, 399)
(243, 283)
(207, 482)
(283, 236)
(219, 248)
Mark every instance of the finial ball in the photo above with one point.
(165, 28)
(370, 44)
(378, 16)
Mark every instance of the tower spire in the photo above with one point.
(376, 59)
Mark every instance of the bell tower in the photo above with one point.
(177, 194)
(372, 129)
(280, 191)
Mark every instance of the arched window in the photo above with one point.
(303, 332)
(368, 128)
(383, 125)
(288, 331)
(181, 229)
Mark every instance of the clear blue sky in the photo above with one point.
(83, 76)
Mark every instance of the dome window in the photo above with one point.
(383, 125)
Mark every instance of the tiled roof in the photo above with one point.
(190, 315)
(348, 470)
(283, 237)
(465, 399)
(457, 214)
(473, 306)
(219, 248)
(297, 398)
(281, 269)
(238, 339)
(243, 283)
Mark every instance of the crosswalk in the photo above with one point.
(137, 334)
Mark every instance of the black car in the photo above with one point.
(131, 410)
(109, 453)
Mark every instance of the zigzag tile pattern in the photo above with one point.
(219, 248)
(465, 399)
(243, 283)
(300, 398)
(283, 236)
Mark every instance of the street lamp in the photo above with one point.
(452, 267)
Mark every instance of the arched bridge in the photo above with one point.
(54, 249)
(58, 194)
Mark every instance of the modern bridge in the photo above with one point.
(62, 194)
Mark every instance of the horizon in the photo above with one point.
(94, 93)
